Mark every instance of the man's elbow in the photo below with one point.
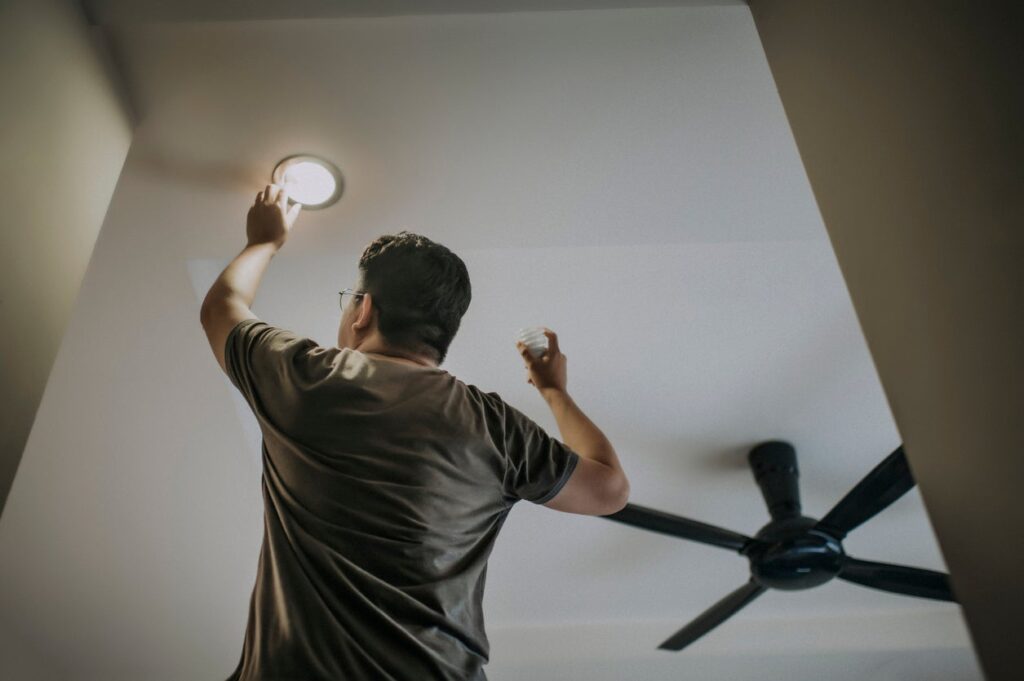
(620, 497)
(205, 315)
(210, 308)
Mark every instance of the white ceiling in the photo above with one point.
(625, 177)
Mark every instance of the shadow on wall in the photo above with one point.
(217, 175)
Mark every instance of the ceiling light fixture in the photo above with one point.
(310, 180)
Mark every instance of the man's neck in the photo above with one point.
(373, 345)
(398, 358)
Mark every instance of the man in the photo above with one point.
(385, 478)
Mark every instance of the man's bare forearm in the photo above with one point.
(242, 276)
(578, 431)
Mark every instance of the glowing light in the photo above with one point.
(312, 181)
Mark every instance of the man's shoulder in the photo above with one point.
(491, 398)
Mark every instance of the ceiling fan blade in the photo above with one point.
(886, 483)
(900, 579)
(666, 523)
(713, 616)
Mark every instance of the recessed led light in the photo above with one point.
(310, 180)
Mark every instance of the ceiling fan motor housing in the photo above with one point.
(790, 554)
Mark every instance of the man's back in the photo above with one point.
(384, 486)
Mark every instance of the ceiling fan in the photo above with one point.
(794, 551)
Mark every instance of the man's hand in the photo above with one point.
(549, 370)
(270, 220)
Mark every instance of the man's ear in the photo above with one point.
(365, 312)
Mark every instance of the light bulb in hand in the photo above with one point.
(534, 339)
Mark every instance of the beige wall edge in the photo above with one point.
(65, 135)
(907, 118)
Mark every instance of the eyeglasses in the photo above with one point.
(352, 292)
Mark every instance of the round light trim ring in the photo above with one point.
(311, 180)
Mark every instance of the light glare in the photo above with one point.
(309, 183)
(309, 180)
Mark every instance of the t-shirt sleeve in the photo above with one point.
(272, 367)
(537, 465)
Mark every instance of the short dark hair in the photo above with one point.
(420, 289)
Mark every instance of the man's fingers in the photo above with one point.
(552, 340)
(524, 352)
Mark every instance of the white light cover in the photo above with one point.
(309, 181)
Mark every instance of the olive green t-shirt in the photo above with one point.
(384, 487)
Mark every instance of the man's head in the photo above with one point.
(416, 292)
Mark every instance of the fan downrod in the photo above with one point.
(788, 553)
